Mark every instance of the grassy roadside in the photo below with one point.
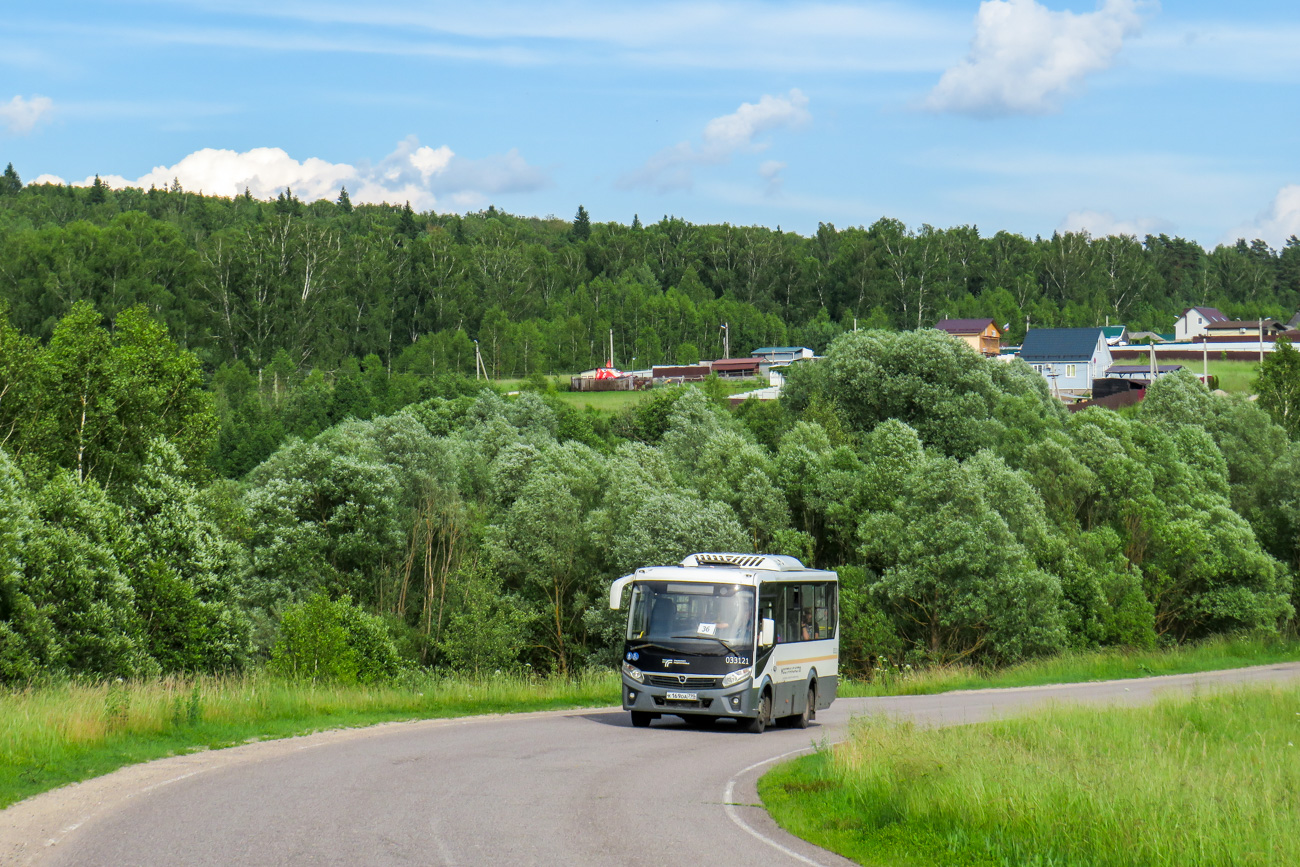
(1200, 779)
(52, 735)
(1212, 655)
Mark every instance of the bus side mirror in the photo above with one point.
(767, 633)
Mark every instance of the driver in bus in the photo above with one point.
(733, 620)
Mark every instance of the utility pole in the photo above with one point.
(1261, 339)
(726, 340)
(478, 362)
(1205, 358)
(1155, 371)
(611, 348)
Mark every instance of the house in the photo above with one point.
(1251, 327)
(1194, 321)
(983, 335)
(781, 354)
(1068, 358)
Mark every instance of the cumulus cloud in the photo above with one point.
(1025, 58)
(20, 116)
(670, 168)
(422, 175)
(1275, 225)
(1101, 223)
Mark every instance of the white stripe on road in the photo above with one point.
(734, 814)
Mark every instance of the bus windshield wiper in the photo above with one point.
(732, 650)
(646, 644)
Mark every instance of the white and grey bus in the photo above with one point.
(751, 637)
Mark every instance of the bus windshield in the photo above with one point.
(718, 613)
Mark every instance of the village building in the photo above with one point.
(782, 354)
(1195, 320)
(1068, 358)
(1233, 328)
(983, 335)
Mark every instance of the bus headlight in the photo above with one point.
(633, 672)
(736, 677)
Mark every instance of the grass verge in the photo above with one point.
(1214, 654)
(1200, 779)
(57, 734)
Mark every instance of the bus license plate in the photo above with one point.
(683, 696)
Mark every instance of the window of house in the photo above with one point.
(1070, 370)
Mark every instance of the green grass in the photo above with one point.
(1200, 779)
(1211, 655)
(52, 735)
(1234, 376)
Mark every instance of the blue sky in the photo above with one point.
(1114, 116)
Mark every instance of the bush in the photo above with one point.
(334, 641)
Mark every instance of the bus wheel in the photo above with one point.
(641, 719)
(759, 723)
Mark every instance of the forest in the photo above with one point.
(231, 429)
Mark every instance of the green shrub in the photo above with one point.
(334, 641)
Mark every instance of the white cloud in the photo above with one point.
(1025, 58)
(670, 168)
(412, 172)
(770, 171)
(20, 116)
(1101, 223)
(1279, 222)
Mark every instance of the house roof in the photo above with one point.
(1211, 314)
(964, 326)
(736, 364)
(1113, 331)
(1060, 344)
(1125, 369)
(772, 350)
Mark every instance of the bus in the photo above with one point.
(751, 637)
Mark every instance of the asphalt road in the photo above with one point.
(565, 788)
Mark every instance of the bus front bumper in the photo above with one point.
(733, 701)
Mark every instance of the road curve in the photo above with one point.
(570, 787)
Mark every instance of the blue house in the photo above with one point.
(1068, 358)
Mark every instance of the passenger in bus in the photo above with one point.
(806, 630)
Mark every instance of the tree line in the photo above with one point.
(969, 515)
(240, 280)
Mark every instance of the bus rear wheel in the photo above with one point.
(759, 723)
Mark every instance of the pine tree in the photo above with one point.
(10, 183)
(406, 222)
(581, 225)
(344, 202)
(98, 194)
(636, 221)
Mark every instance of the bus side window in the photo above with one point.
(821, 626)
